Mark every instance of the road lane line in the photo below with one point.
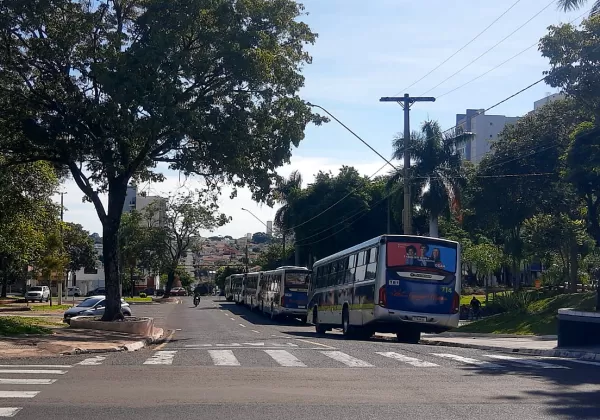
(9, 411)
(92, 361)
(346, 359)
(315, 343)
(527, 362)
(223, 358)
(38, 366)
(285, 358)
(468, 360)
(15, 381)
(242, 325)
(161, 358)
(229, 345)
(18, 394)
(34, 371)
(406, 359)
(257, 332)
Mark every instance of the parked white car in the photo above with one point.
(40, 293)
(74, 291)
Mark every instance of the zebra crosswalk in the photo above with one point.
(29, 381)
(307, 358)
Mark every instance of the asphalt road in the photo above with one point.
(224, 362)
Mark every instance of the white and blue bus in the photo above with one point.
(250, 293)
(283, 292)
(392, 283)
(234, 288)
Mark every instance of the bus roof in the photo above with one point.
(376, 241)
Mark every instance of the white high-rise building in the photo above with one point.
(549, 98)
(269, 227)
(485, 130)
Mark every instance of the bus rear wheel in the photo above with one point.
(409, 336)
(346, 328)
(320, 329)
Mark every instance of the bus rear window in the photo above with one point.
(296, 281)
(430, 255)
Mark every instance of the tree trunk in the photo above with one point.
(131, 282)
(574, 269)
(4, 285)
(169, 285)
(112, 278)
(433, 226)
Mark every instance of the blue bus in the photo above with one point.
(400, 284)
(283, 292)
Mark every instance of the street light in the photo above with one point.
(253, 215)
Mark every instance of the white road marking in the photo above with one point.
(254, 344)
(233, 319)
(242, 325)
(198, 345)
(528, 362)
(18, 394)
(92, 361)
(406, 359)
(285, 358)
(346, 359)
(468, 360)
(15, 381)
(229, 345)
(223, 358)
(34, 371)
(315, 343)
(566, 359)
(161, 358)
(257, 332)
(38, 366)
(9, 411)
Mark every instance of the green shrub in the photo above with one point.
(143, 295)
(514, 302)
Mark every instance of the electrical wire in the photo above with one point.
(461, 48)
(489, 49)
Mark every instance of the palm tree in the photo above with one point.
(568, 5)
(284, 193)
(436, 173)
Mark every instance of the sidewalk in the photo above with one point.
(66, 341)
(523, 344)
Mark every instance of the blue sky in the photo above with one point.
(363, 53)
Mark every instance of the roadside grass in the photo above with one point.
(466, 299)
(138, 299)
(48, 308)
(19, 325)
(539, 319)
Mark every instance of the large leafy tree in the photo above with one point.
(26, 212)
(79, 246)
(436, 174)
(111, 89)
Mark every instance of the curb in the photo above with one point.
(570, 354)
(133, 346)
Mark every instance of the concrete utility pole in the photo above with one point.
(62, 219)
(405, 102)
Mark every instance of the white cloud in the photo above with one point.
(242, 222)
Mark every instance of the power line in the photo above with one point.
(490, 49)
(501, 64)
(461, 48)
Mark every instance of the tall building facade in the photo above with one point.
(484, 128)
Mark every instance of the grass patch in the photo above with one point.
(48, 308)
(19, 325)
(539, 319)
(466, 299)
(138, 299)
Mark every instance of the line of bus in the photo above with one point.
(398, 284)
(278, 293)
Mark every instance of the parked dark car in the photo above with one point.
(100, 291)
(160, 292)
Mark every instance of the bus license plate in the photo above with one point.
(419, 318)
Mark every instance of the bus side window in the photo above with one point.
(332, 273)
(351, 269)
(360, 266)
(372, 266)
(342, 267)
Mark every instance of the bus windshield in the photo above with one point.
(296, 281)
(421, 254)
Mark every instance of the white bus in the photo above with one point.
(234, 288)
(392, 283)
(283, 292)
(250, 292)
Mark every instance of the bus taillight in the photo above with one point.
(455, 303)
(382, 297)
